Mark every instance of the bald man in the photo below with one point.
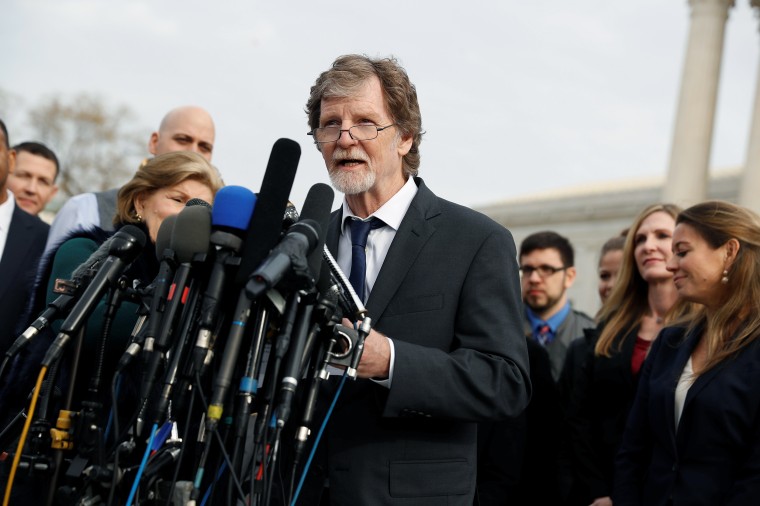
(187, 128)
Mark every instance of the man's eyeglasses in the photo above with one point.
(543, 270)
(357, 132)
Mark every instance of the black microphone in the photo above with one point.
(266, 223)
(233, 207)
(317, 207)
(160, 287)
(351, 304)
(125, 247)
(304, 238)
(190, 237)
(70, 290)
(288, 257)
(327, 314)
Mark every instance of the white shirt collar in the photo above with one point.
(6, 212)
(393, 211)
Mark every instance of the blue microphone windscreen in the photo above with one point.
(233, 207)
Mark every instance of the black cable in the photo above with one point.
(271, 466)
(114, 477)
(185, 435)
(114, 301)
(115, 410)
(226, 456)
(3, 365)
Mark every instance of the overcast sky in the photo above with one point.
(517, 97)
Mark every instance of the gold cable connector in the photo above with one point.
(61, 434)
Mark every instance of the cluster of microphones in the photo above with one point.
(247, 304)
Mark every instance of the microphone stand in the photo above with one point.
(261, 449)
(328, 314)
(87, 431)
(247, 394)
(63, 437)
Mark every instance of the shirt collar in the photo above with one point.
(6, 212)
(393, 211)
(553, 322)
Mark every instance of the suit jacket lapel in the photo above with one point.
(703, 379)
(413, 233)
(679, 363)
(333, 233)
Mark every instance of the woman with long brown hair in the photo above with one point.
(604, 382)
(693, 436)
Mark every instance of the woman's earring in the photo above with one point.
(138, 217)
(724, 279)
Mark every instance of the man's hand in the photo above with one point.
(375, 362)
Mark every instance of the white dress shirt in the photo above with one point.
(6, 214)
(378, 243)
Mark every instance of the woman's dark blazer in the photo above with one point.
(714, 455)
(599, 392)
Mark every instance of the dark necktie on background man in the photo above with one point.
(544, 335)
(359, 233)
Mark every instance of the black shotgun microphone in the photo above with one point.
(266, 223)
(316, 207)
(299, 251)
(163, 280)
(352, 306)
(70, 291)
(126, 245)
(157, 292)
(190, 237)
(288, 257)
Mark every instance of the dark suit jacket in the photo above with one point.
(714, 456)
(448, 296)
(518, 458)
(598, 393)
(23, 247)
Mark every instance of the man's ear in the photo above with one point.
(405, 142)
(153, 143)
(11, 161)
(570, 274)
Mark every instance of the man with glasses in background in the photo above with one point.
(523, 460)
(546, 265)
(441, 285)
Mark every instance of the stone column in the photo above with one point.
(749, 189)
(687, 178)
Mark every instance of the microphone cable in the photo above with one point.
(22, 439)
(318, 438)
(185, 435)
(204, 456)
(143, 463)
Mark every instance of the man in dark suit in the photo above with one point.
(22, 240)
(446, 350)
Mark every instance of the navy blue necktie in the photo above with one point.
(359, 233)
